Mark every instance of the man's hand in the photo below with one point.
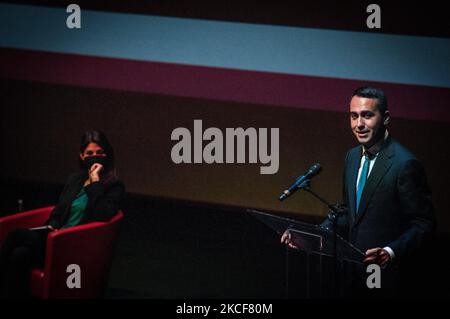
(377, 256)
(94, 173)
(286, 238)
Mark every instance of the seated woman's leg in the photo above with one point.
(22, 250)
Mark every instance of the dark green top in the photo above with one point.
(77, 209)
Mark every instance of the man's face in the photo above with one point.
(366, 121)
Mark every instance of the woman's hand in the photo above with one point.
(94, 172)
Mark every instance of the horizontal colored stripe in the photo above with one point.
(349, 15)
(406, 101)
(291, 50)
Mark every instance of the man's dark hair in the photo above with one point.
(373, 93)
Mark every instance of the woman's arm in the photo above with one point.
(104, 200)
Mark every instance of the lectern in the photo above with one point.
(312, 239)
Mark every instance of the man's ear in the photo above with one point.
(81, 157)
(386, 118)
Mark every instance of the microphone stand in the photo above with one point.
(337, 211)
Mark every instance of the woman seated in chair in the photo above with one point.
(93, 194)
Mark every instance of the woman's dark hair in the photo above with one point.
(100, 139)
(373, 93)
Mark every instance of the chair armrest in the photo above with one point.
(90, 246)
(32, 218)
(80, 235)
(85, 240)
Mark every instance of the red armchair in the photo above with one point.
(90, 246)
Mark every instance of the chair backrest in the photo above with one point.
(84, 252)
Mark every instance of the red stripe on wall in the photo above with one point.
(331, 94)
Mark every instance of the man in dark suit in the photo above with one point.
(389, 209)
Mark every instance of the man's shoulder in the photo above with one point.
(355, 151)
(402, 153)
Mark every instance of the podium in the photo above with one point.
(312, 239)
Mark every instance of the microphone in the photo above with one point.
(312, 171)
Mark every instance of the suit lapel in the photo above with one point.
(72, 193)
(353, 167)
(380, 168)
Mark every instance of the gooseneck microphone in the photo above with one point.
(300, 182)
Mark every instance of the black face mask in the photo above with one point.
(91, 160)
